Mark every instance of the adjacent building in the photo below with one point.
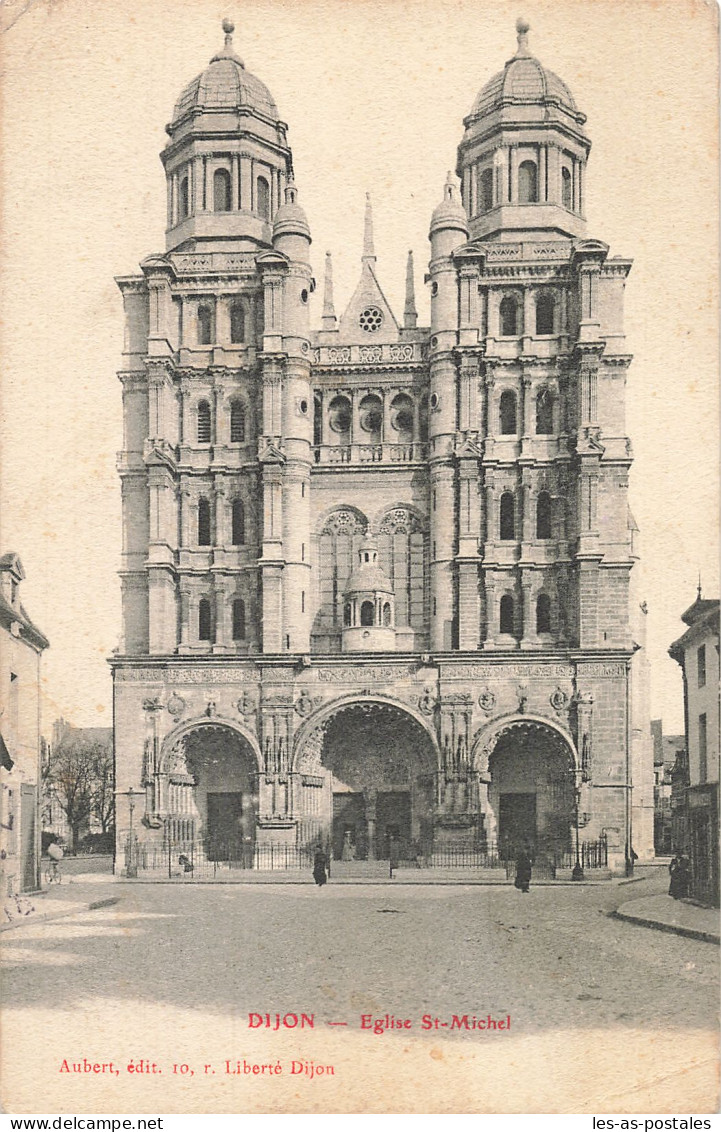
(376, 576)
(697, 652)
(21, 648)
(668, 750)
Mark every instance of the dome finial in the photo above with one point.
(228, 28)
(522, 27)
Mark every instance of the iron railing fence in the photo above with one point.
(200, 858)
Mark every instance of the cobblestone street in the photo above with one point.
(604, 1015)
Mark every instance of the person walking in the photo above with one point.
(320, 862)
(524, 868)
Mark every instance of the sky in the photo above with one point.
(374, 94)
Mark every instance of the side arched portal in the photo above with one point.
(207, 789)
(529, 769)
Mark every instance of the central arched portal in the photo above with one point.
(382, 769)
(531, 792)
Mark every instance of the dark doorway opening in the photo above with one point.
(349, 827)
(517, 822)
(393, 823)
(225, 825)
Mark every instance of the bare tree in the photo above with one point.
(102, 799)
(70, 779)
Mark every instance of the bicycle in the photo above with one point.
(52, 872)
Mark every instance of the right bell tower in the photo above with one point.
(522, 160)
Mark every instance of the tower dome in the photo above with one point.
(224, 84)
(523, 154)
(227, 160)
(369, 604)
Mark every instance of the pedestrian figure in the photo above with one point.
(680, 877)
(347, 852)
(320, 862)
(523, 871)
(186, 863)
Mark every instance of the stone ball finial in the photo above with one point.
(522, 26)
(228, 27)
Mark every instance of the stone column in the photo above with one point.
(198, 183)
(235, 182)
(528, 407)
(529, 638)
(491, 608)
(246, 189)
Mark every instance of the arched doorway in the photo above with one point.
(531, 788)
(379, 765)
(212, 790)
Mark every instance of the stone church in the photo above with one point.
(376, 577)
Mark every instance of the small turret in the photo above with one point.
(369, 605)
(449, 223)
(291, 233)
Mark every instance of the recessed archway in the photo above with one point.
(378, 762)
(528, 766)
(209, 772)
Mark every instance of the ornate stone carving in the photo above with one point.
(427, 702)
(487, 700)
(400, 521)
(350, 674)
(371, 353)
(176, 706)
(558, 700)
(210, 710)
(245, 704)
(338, 354)
(153, 704)
(522, 692)
(344, 521)
(401, 353)
(304, 705)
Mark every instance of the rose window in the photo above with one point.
(371, 320)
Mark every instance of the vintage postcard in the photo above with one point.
(359, 598)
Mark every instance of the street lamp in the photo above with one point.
(131, 869)
(577, 872)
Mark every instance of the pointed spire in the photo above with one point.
(522, 27)
(329, 319)
(369, 255)
(698, 589)
(410, 314)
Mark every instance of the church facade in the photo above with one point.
(377, 578)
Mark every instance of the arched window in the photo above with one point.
(203, 422)
(339, 418)
(487, 190)
(237, 323)
(205, 326)
(402, 417)
(507, 413)
(508, 516)
(221, 190)
(544, 412)
(387, 614)
(506, 620)
(237, 422)
(262, 198)
(543, 614)
(367, 612)
(205, 620)
(184, 198)
(566, 188)
(545, 308)
(371, 417)
(203, 522)
(238, 619)
(527, 183)
(509, 316)
(543, 515)
(238, 522)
